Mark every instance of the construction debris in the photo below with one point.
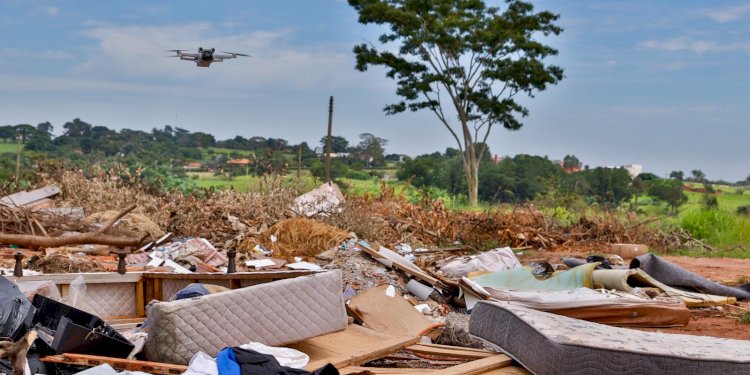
(228, 275)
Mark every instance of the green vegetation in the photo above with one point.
(481, 58)
(8, 148)
(718, 227)
(744, 318)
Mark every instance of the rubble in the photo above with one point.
(228, 248)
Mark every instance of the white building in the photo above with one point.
(633, 169)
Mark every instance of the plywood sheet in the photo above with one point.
(388, 312)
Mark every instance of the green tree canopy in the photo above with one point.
(338, 144)
(463, 61)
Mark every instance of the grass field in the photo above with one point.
(8, 148)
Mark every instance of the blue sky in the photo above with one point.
(658, 83)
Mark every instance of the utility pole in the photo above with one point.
(328, 142)
(18, 159)
(299, 159)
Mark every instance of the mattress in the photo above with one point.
(546, 343)
(275, 313)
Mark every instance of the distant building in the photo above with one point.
(192, 166)
(633, 169)
(239, 162)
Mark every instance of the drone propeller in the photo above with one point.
(236, 54)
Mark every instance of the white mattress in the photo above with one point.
(275, 313)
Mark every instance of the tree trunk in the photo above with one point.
(471, 169)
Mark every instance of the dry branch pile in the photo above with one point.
(298, 237)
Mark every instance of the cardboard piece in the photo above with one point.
(391, 315)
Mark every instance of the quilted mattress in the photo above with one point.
(274, 313)
(547, 343)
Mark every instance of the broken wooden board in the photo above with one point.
(383, 309)
(26, 198)
(448, 351)
(351, 347)
(119, 364)
(394, 260)
(479, 366)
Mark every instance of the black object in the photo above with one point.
(18, 269)
(16, 312)
(232, 265)
(75, 331)
(675, 276)
(121, 266)
(598, 258)
(254, 363)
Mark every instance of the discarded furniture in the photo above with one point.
(552, 344)
(275, 313)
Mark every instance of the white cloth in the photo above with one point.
(492, 261)
(202, 364)
(286, 356)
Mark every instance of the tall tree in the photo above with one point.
(463, 61)
(338, 144)
(698, 175)
(677, 175)
(76, 128)
(571, 161)
(372, 148)
(45, 128)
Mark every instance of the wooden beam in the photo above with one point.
(260, 275)
(140, 298)
(88, 277)
(510, 370)
(367, 354)
(117, 363)
(479, 366)
(385, 370)
(455, 352)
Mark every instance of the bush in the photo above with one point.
(358, 175)
(717, 226)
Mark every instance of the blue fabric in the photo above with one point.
(226, 363)
(192, 290)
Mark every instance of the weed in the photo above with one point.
(744, 318)
(717, 226)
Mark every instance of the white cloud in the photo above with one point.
(727, 14)
(52, 10)
(140, 52)
(19, 54)
(697, 46)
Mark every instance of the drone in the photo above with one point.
(205, 57)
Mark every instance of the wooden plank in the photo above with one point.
(259, 275)
(351, 347)
(457, 347)
(117, 363)
(455, 352)
(510, 370)
(158, 290)
(406, 267)
(89, 278)
(140, 299)
(385, 370)
(478, 366)
(392, 315)
(23, 198)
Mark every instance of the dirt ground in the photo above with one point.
(728, 271)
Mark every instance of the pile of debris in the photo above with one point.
(306, 291)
